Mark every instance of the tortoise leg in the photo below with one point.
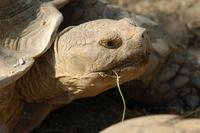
(33, 114)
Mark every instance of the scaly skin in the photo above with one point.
(63, 64)
(79, 65)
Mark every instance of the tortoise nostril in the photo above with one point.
(142, 35)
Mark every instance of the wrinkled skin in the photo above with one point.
(80, 64)
(94, 55)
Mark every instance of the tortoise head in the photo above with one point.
(87, 55)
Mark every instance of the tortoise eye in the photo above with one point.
(113, 43)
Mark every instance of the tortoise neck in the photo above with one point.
(40, 83)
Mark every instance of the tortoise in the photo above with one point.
(27, 104)
(156, 124)
(42, 69)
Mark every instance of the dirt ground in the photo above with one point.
(91, 115)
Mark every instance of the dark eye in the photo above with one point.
(111, 43)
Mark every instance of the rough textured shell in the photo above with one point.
(156, 124)
(27, 29)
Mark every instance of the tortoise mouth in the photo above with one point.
(135, 61)
(138, 60)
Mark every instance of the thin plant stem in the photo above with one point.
(122, 97)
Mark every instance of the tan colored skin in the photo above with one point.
(78, 65)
